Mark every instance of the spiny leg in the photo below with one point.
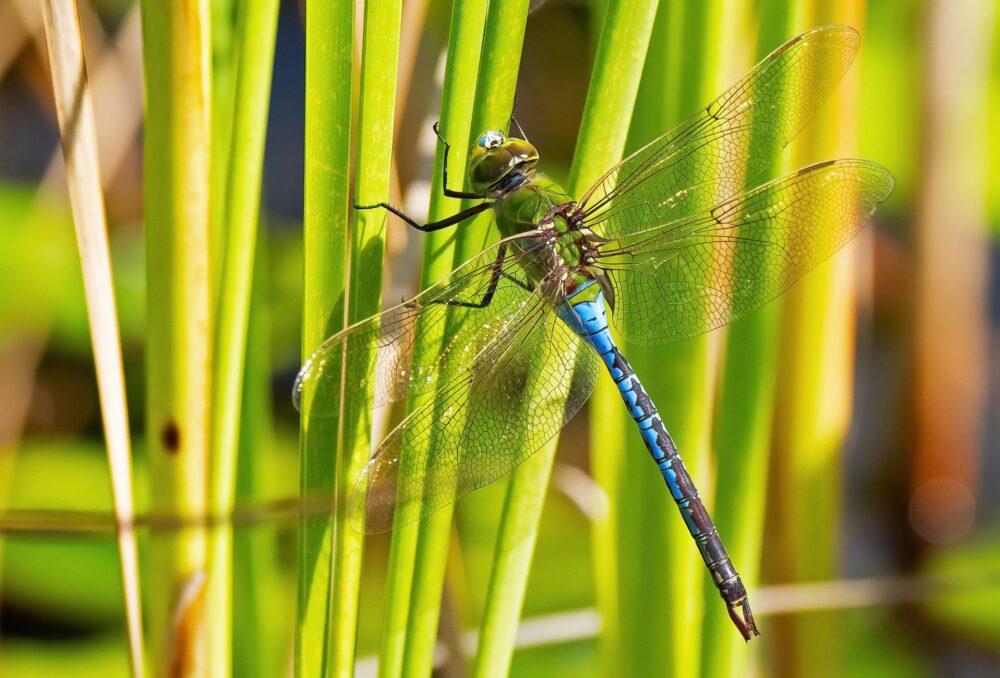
(434, 225)
(444, 171)
(498, 273)
(447, 221)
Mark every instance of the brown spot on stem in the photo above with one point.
(170, 436)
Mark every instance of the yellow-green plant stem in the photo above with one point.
(75, 111)
(651, 571)
(457, 97)
(498, 63)
(610, 99)
(375, 127)
(224, 64)
(814, 391)
(256, 26)
(261, 607)
(742, 427)
(176, 60)
(329, 59)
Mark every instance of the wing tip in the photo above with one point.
(877, 177)
(841, 32)
(874, 175)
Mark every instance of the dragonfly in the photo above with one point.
(667, 243)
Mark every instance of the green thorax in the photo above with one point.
(524, 208)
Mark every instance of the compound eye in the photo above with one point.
(490, 140)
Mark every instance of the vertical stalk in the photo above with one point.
(614, 82)
(743, 419)
(815, 378)
(499, 61)
(457, 98)
(176, 50)
(329, 58)
(75, 111)
(225, 62)
(375, 126)
(257, 23)
(658, 573)
(260, 605)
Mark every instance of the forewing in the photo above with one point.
(686, 278)
(708, 158)
(443, 328)
(518, 393)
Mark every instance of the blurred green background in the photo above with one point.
(880, 558)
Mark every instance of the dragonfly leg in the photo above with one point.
(444, 171)
(434, 225)
(498, 273)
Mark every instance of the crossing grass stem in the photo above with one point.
(74, 108)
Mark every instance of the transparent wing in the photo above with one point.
(686, 278)
(445, 329)
(708, 158)
(517, 395)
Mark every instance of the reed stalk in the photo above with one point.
(255, 35)
(404, 588)
(743, 419)
(498, 63)
(75, 111)
(329, 61)
(608, 109)
(260, 608)
(225, 62)
(176, 59)
(815, 382)
(654, 570)
(380, 49)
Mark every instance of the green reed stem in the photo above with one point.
(176, 60)
(256, 26)
(743, 419)
(814, 389)
(404, 587)
(650, 571)
(225, 61)
(375, 126)
(608, 109)
(498, 64)
(329, 59)
(261, 608)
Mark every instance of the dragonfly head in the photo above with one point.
(495, 159)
